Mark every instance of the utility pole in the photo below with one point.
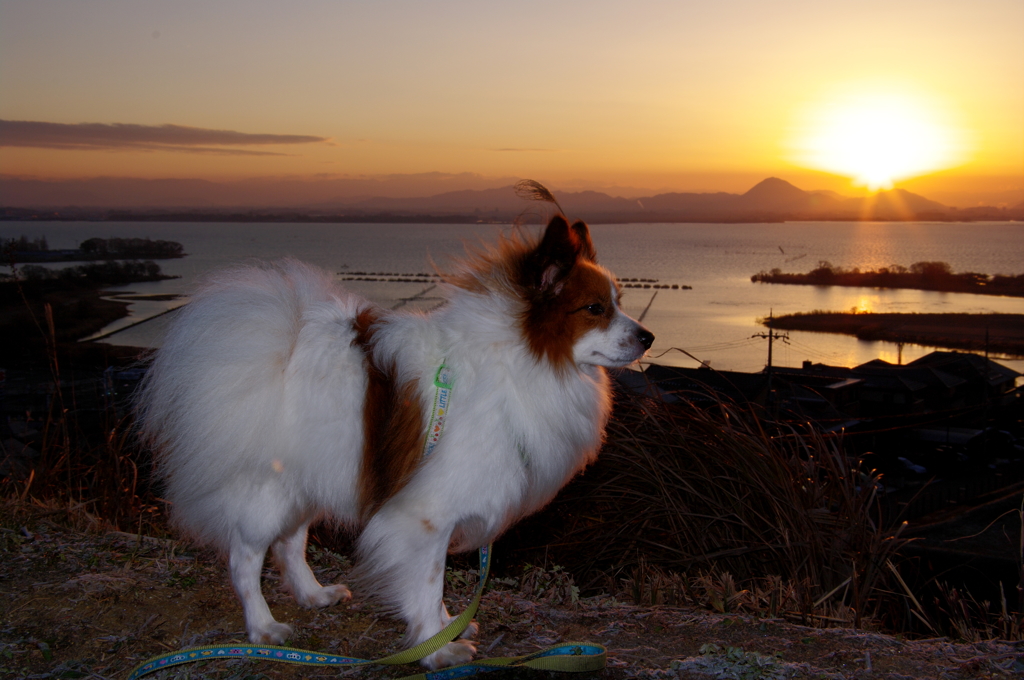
(988, 401)
(771, 335)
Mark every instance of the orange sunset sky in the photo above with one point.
(630, 98)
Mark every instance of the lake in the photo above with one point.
(716, 321)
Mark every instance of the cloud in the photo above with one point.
(118, 136)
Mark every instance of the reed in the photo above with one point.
(89, 466)
(685, 500)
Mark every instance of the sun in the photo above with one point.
(876, 138)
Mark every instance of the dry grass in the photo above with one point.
(686, 503)
(88, 459)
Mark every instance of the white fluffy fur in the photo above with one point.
(255, 406)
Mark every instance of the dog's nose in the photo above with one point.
(645, 337)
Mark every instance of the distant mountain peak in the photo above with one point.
(775, 194)
(774, 186)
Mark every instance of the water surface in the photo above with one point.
(716, 321)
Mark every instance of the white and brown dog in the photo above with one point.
(278, 398)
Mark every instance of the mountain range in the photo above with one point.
(772, 199)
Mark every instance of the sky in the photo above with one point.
(632, 98)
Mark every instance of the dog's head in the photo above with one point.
(572, 310)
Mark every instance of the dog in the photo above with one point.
(279, 399)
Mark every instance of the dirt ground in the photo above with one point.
(80, 603)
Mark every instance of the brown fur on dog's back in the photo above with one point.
(393, 428)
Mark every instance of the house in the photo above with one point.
(952, 383)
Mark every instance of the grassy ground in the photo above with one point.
(77, 600)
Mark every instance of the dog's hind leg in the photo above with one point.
(246, 564)
(290, 556)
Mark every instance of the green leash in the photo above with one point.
(572, 657)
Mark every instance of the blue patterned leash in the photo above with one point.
(302, 656)
(568, 657)
(572, 657)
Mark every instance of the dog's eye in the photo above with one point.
(597, 309)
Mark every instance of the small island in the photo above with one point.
(996, 333)
(24, 250)
(936, 276)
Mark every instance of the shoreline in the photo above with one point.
(995, 333)
(77, 312)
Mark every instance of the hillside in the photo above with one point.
(95, 603)
(771, 200)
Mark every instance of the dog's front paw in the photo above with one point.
(452, 654)
(325, 597)
(274, 633)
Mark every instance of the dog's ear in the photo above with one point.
(558, 252)
(582, 232)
